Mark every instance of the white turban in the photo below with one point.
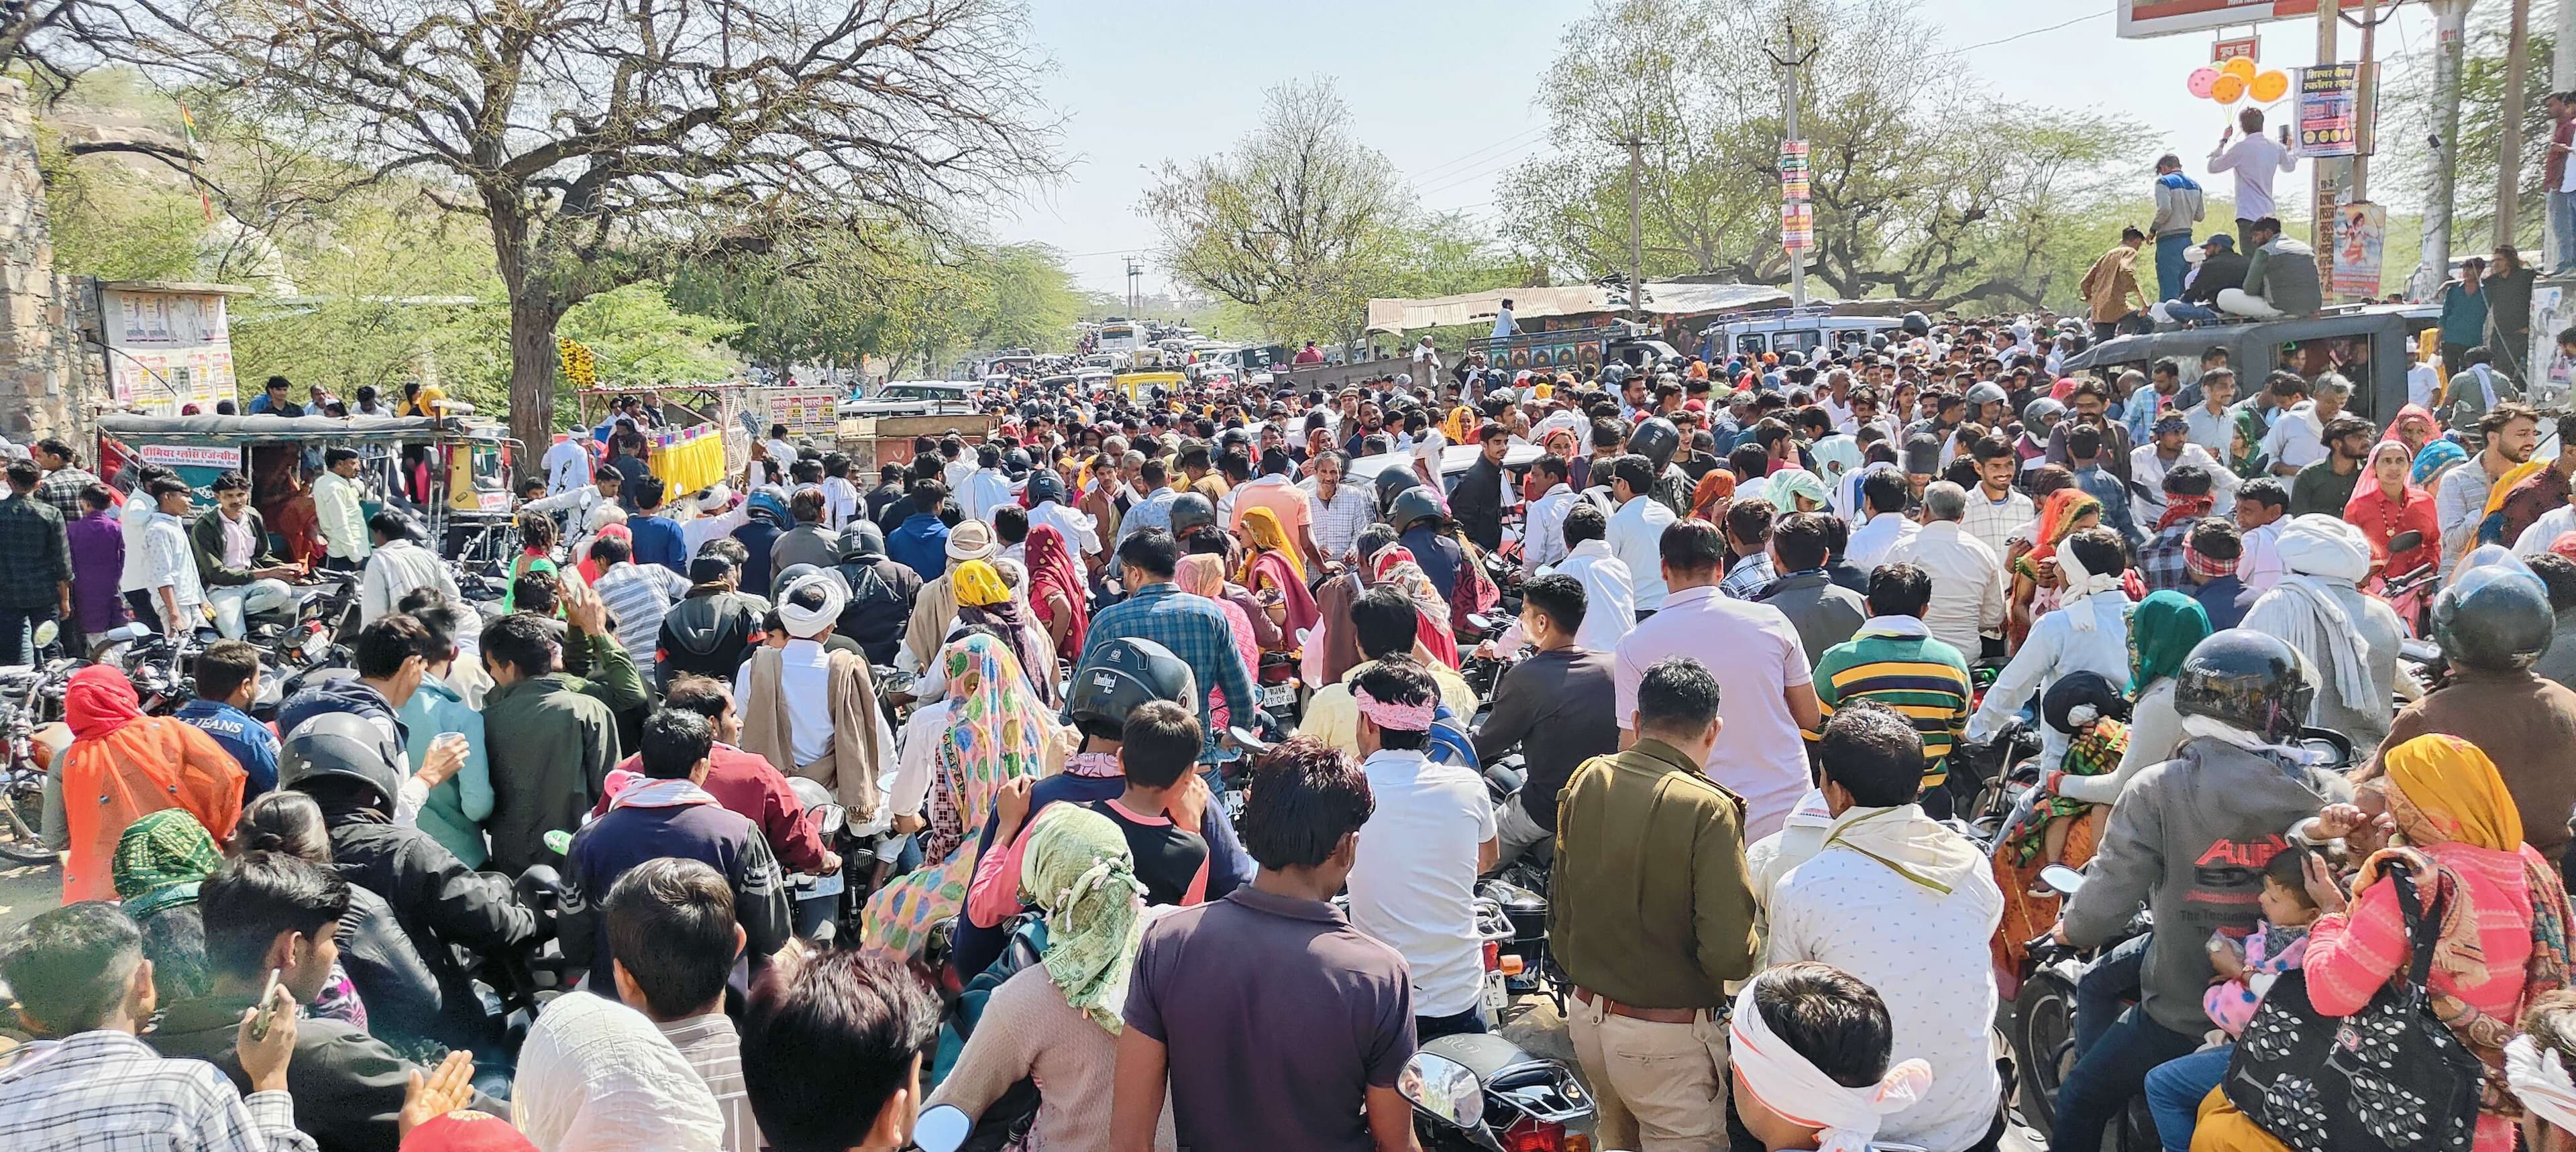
(807, 623)
(1787, 1083)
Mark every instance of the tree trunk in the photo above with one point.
(533, 315)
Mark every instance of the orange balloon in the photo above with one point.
(2269, 86)
(2240, 68)
(2228, 90)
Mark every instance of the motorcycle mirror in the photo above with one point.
(2062, 879)
(941, 1129)
(46, 632)
(1248, 740)
(833, 817)
(2406, 541)
(1444, 1088)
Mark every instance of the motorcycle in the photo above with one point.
(31, 708)
(2043, 1023)
(817, 899)
(1484, 1092)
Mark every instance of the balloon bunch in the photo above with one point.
(580, 370)
(2238, 79)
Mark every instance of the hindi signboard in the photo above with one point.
(2327, 111)
(169, 346)
(2140, 19)
(2241, 49)
(1793, 170)
(1797, 226)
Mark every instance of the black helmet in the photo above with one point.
(2495, 617)
(788, 575)
(1414, 504)
(1393, 479)
(1656, 440)
(862, 540)
(1016, 463)
(2245, 680)
(1878, 341)
(1916, 324)
(1123, 673)
(2082, 690)
(346, 745)
(1191, 510)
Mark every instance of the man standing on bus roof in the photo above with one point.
(1503, 325)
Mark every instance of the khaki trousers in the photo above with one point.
(1659, 1087)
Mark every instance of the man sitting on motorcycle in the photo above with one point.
(2189, 840)
(1556, 707)
(350, 768)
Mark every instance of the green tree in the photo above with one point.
(1924, 186)
(1297, 223)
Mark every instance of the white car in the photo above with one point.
(912, 398)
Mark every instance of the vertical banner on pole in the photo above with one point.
(2360, 235)
(1797, 215)
(2328, 125)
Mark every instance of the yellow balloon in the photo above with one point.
(2240, 68)
(2228, 90)
(2269, 86)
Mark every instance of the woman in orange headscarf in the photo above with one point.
(1709, 500)
(123, 765)
(2035, 585)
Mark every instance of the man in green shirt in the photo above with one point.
(1892, 659)
(1652, 916)
(2326, 486)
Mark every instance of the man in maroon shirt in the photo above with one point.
(746, 783)
(2562, 198)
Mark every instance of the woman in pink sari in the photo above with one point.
(1204, 576)
(1274, 574)
(1396, 566)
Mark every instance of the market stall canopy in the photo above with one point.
(264, 427)
(1479, 308)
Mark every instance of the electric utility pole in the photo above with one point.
(1135, 272)
(1793, 197)
(2517, 69)
(1636, 230)
(2450, 34)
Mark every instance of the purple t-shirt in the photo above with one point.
(1333, 1009)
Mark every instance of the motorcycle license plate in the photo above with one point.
(1278, 695)
(317, 644)
(1497, 996)
(828, 884)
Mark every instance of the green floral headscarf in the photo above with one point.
(159, 860)
(1077, 869)
(2163, 629)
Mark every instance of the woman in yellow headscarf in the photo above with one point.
(1276, 575)
(2503, 916)
(984, 597)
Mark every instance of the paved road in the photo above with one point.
(27, 892)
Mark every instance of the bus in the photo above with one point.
(1121, 336)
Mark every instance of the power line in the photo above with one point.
(1482, 169)
(1425, 173)
(2023, 34)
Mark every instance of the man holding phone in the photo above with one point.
(2254, 160)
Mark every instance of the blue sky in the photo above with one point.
(1445, 89)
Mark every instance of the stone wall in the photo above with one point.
(41, 371)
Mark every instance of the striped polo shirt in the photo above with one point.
(1890, 660)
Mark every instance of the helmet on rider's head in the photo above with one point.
(1878, 341)
(1123, 673)
(344, 745)
(1191, 510)
(1414, 504)
(1016, 463)
(1392, 480)
(2493, 617)
(1916, 324)
(767, 504)
(2245, 680)
(863, 540)
(1045, 486)
(1656, 440)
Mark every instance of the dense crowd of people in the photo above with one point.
(846, 795)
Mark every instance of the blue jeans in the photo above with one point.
(2105, 988)
(1468, 1023)
(2562, 228)
(2104, 1079)
(2170, 264)
(18, 634)
(2175, 1090)
(2182, 310)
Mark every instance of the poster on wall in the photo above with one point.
(805, 410)
(168, 350)
(2326, 116)
(2553, 310)
(2360, 236)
